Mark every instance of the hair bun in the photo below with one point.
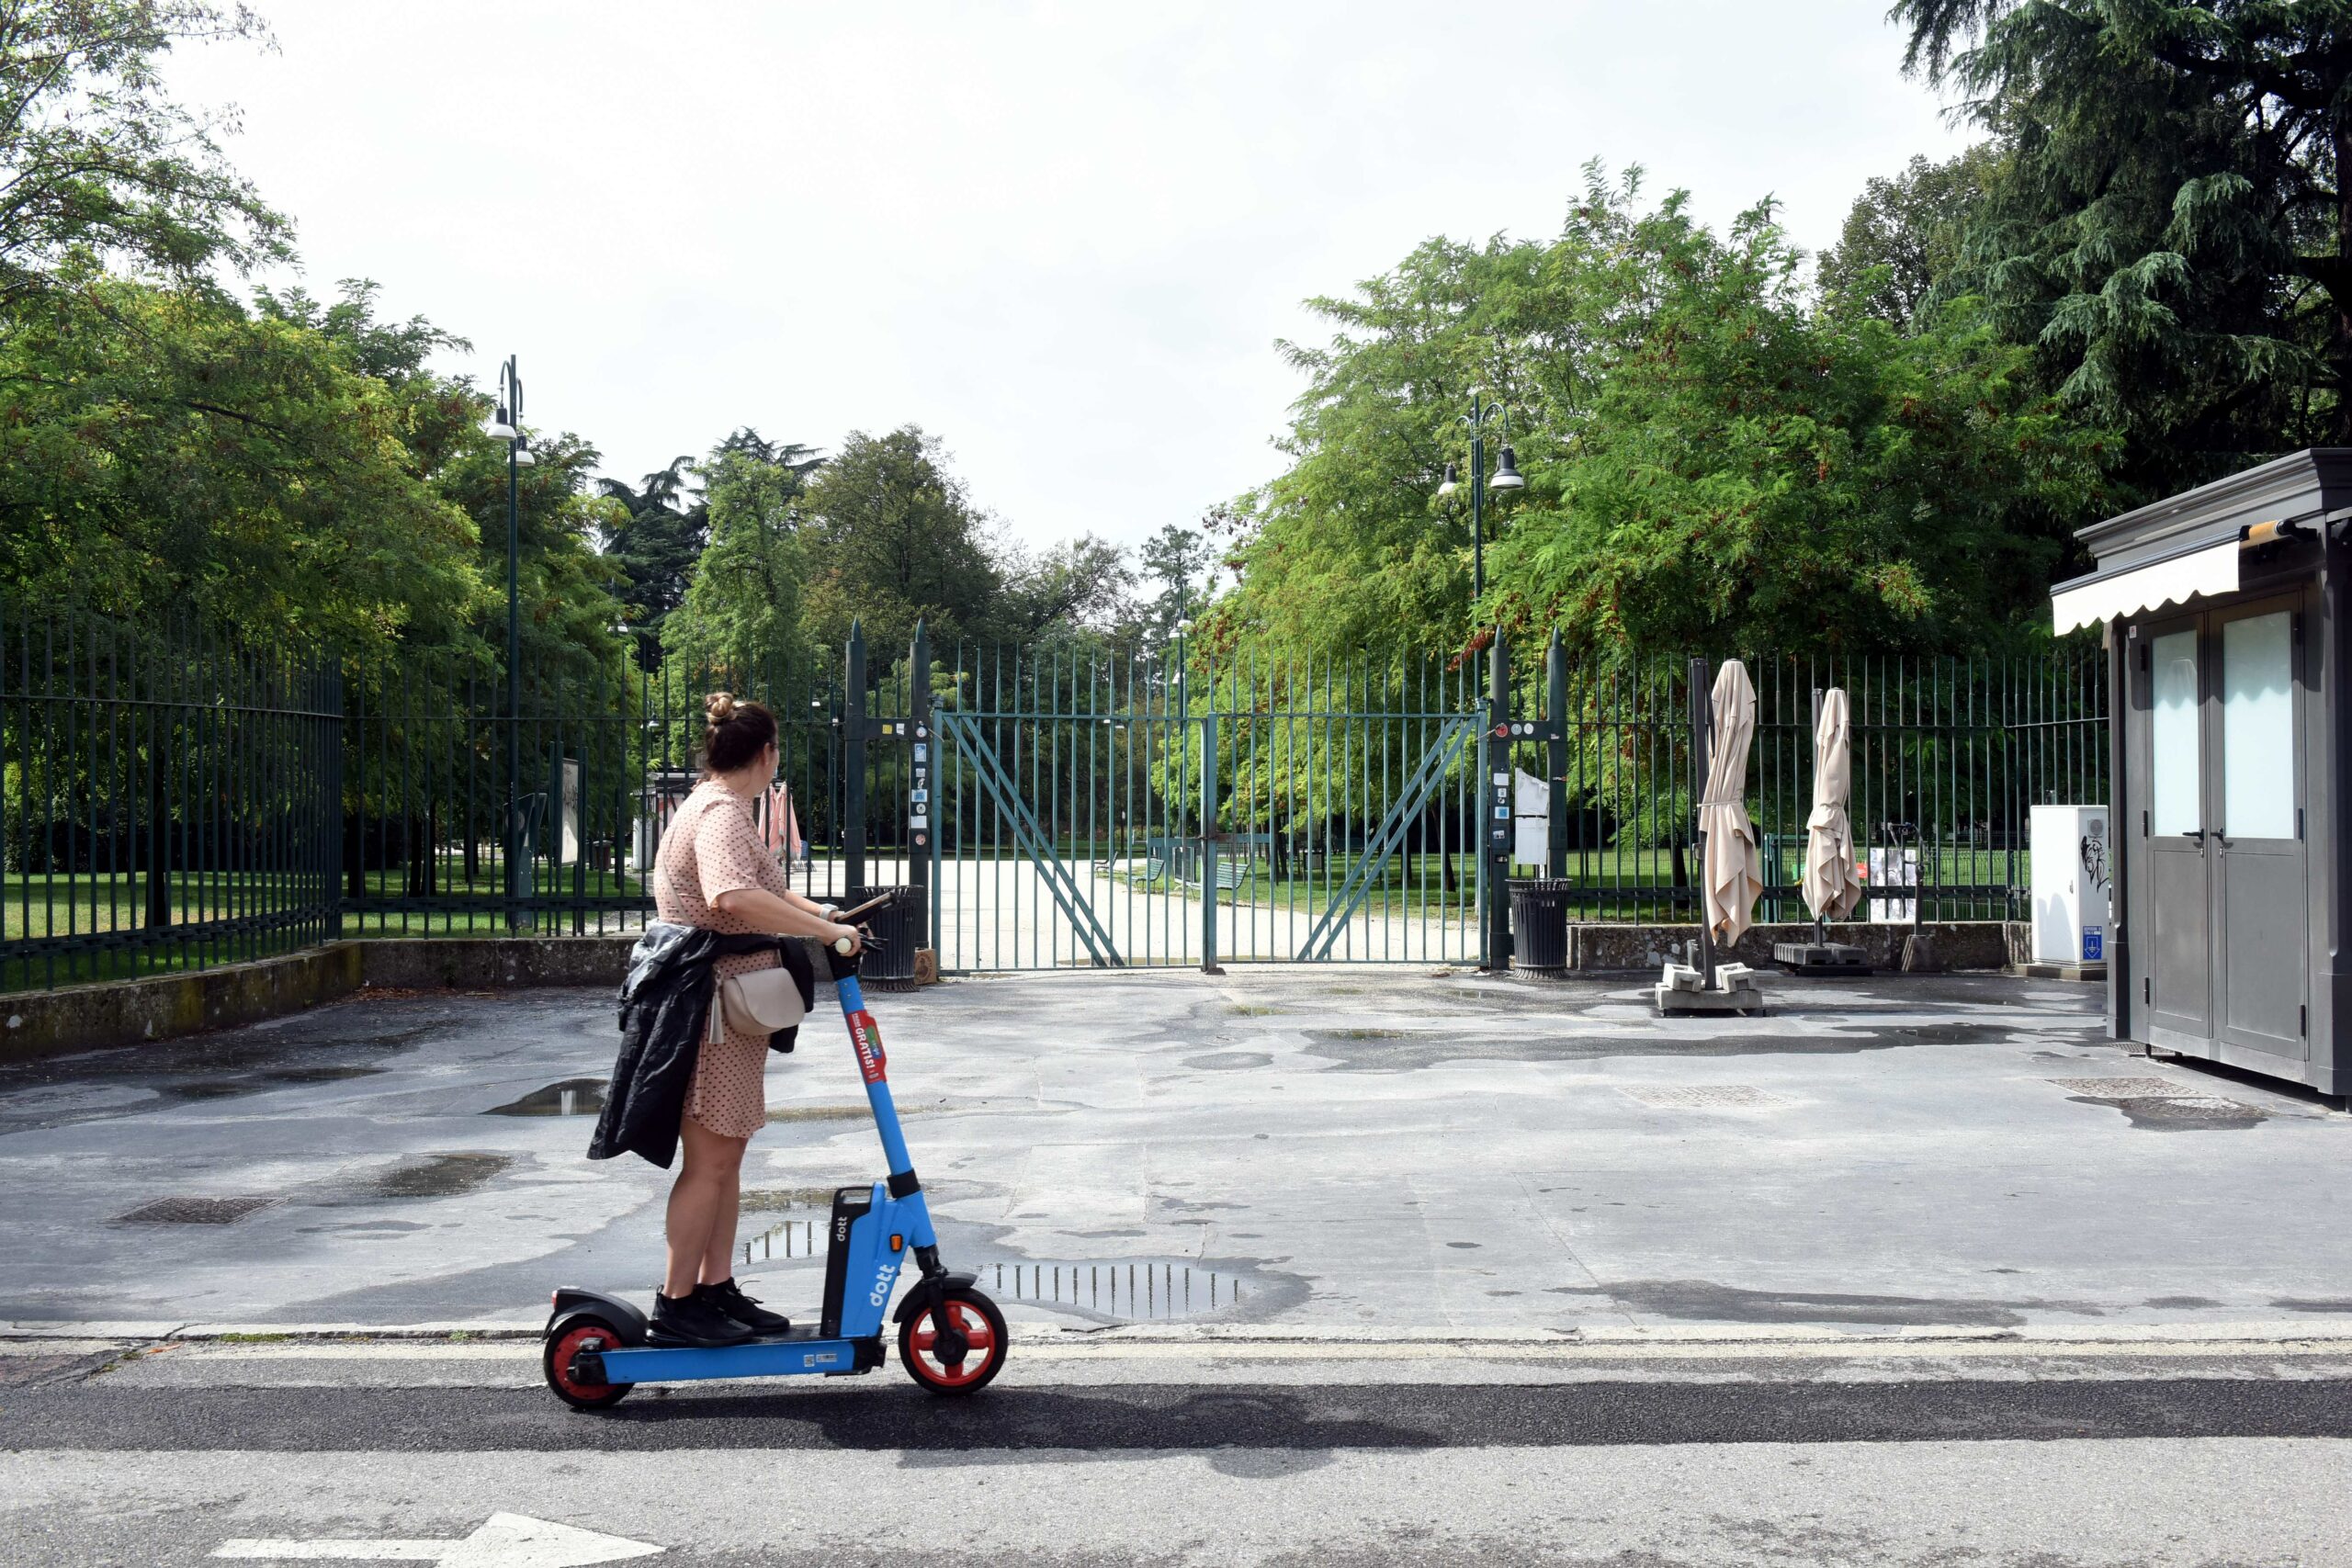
(719, 706)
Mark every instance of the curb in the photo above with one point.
(2318, 1334)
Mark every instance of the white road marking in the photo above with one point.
(504, 1541)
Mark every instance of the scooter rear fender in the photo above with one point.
(572, 1302)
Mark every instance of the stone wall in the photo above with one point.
(125, 1012)
(1958, 944)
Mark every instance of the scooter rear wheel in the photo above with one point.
(971, 1318)
(578, 1335)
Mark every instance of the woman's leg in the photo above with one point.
(704, 1194)
(719, 1253)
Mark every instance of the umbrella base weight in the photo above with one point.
(1681, 990)
(1820, 958)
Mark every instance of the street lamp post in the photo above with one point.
(1506, 479)
(1495, 783)
(507, 424)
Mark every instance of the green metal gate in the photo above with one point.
(1180, 808)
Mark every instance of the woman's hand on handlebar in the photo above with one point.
(854, 937)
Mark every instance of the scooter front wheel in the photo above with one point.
(960, 1354)
(583, 1333)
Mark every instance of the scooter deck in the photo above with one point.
(798, 1352)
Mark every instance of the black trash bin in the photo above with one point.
(1539, 927)
(902, 925)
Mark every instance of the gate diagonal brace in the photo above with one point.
(1390, 837)
(1029, 837)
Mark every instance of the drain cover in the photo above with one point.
(2124, 1088)
(1707, 1097)
(192, 1211)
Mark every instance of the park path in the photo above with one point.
(1002, 914)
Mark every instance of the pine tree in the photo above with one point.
(2165, 220)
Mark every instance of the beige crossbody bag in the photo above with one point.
(758, 1003)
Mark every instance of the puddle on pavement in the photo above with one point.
(1230, 1061)
(1118, 1291)
(756, 1198)
(2182, 1113)
(573, 1097)
(261, 1082)
(1127, 1291)
(785, 1241)
(62, 1091)
(411, 1176)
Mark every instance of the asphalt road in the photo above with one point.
(1165, 1418)
(2036, 1456)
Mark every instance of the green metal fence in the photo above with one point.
(440, 841)
(169, 798)
(172, 799)
(1948, 756)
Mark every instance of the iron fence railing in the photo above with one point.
(169, 798)
(1947, 754)
(173, 797)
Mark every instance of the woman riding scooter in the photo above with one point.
(721, 901)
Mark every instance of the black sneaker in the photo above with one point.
(692, 1321)
(729, 1297)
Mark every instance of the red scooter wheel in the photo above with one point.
(583, 1333)
(961, 1356)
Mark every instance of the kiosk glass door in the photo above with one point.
(2227, 908)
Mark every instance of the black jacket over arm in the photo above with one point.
(666, 1003)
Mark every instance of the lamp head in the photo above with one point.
(1448, 485)
(1507, 474)
(501, 425)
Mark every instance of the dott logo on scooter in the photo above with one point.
(870, 1060)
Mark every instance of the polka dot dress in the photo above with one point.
(711, 848)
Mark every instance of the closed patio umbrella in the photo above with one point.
(1831, 888)
(1734, 871)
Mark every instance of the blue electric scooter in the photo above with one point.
(951, 1339)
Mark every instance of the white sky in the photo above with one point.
(1064, 237)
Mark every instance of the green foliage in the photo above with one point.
(165, 449)
(100, 163)
(1752, 472)
(896, 539)
(2166, 223)
(656, 543)
(1712, 457)
(1904, 234)
(743, 604)
(1080, 586)
(1172, 558)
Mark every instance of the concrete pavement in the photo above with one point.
(1336, 1148)
(1337, 1265)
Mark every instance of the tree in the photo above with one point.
(1711, 460)
(1904, 234)
(2168, 224)
(1752, 473)
(896, 539)
(165, 449)
(1172, 558)
(1082, 584)
(656, 540)
(94, 160)
(743, 606)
